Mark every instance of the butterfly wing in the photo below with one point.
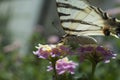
(79, 18)
(80, 40)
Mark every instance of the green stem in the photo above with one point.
(54, 70)
(65, 77)
(93, 70)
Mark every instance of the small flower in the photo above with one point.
(96, 53)
(50, 51)
(63, 66)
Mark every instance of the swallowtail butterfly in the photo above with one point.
(80, 20)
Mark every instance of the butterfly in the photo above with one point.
(80, 20)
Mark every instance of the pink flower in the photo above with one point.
(50, 51)
(63, 66)
(96, 53)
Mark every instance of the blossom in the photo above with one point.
(51, 50)
(95, 53)
(64, 65)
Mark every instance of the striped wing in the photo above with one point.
(79, 18)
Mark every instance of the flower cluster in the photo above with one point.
(50, 51)
(59, 63)
(96, 53)
(63, 66)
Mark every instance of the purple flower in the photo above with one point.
(50, 51)
(95, 53)
(63, 66)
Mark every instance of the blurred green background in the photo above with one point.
(25, 23)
